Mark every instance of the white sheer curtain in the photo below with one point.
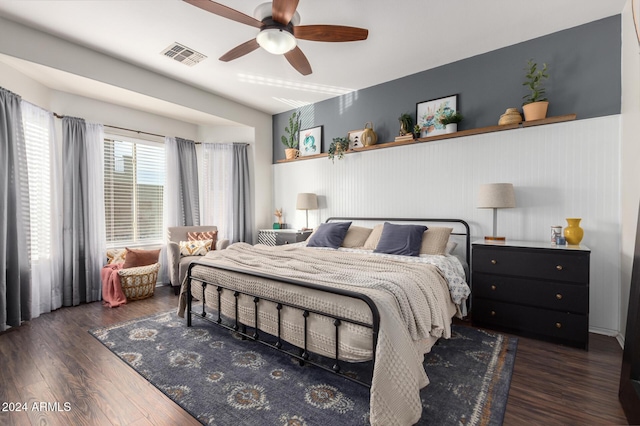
(45, 200)
(217, 198)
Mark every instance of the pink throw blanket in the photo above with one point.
(112, 294)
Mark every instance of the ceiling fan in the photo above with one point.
(279, 31)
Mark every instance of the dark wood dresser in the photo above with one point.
(534, 289)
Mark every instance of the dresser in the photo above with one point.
(278, 237)
(534, 289)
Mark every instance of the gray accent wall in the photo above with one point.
(585, 79)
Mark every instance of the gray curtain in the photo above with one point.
(80, 282)
(242, 209)
(15, 275)
(188, 182)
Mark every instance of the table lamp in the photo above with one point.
(496, 196)
(307, 201)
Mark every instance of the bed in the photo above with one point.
(347, 304)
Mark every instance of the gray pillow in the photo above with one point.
(404, 240)
(329, 235)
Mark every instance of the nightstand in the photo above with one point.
(278, 237)
(534, 289)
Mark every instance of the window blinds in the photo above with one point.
(134, 179)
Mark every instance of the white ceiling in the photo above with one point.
(405, 37)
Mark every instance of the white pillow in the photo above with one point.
(451, 246)
(195, 248)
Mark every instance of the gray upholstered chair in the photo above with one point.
(178, 265)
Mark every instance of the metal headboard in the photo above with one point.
(466, 234)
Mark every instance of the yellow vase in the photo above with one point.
(573, 233)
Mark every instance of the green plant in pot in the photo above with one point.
(416, 131)
(337, 148)
(291, 140)
(535, 103)
(450, 120)
(406, 123)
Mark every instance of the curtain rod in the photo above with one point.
(123, 128)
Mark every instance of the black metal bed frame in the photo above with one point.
(303, 356)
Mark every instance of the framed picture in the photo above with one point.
(310, 141)
(428, 114)
(354, 139)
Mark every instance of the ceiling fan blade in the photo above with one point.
(283, 10)
(330, 33)
(297, 60)
(240, 50)
(225, 12)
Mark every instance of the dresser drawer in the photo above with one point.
(546, 264)
(289, 238)
(567, 327)
(543, 294)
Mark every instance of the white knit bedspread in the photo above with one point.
(413, 300)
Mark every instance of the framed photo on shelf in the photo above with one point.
(428, 114)
(310, 141)
(354, 138)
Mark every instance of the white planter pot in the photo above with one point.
(451, 128)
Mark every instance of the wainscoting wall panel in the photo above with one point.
(560, 170)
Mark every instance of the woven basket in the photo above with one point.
(511, 116)
(139, 283)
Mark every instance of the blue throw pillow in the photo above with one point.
(404, 240)
(329, 235)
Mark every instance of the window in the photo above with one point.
(134, 177)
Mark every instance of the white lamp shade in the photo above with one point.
(276, 41)
(307, 201)
(496, 196)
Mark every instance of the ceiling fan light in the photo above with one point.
(276, 41)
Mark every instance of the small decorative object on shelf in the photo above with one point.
(510, 116)
(416, 131)
(450, 120)
(368, 136)
(337, 148)
(556, 231)
(535, 103)
(291, 141)
(405, 123)
(573, 233)
(310, 141)
(278, 214)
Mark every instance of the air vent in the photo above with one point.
(183, 54)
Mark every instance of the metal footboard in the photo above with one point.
(257, 335)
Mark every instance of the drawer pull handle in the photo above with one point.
(558, 325)
(493, 287)
(559, 296)
(493, 261)
(493, 313)
(559, 267)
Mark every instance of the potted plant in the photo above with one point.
(337, 148)
(291, 141)
(406, 123)
(535, 103)
(450, 120)
(416, 131)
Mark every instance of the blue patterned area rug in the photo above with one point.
(223, 380)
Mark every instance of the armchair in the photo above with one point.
(178, 265)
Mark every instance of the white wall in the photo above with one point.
(558, 171)
(630, 173)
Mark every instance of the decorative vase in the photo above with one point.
(535, 110)
(573, 233)
(291, 153)
(451, 127)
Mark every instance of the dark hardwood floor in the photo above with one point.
(53, 359)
